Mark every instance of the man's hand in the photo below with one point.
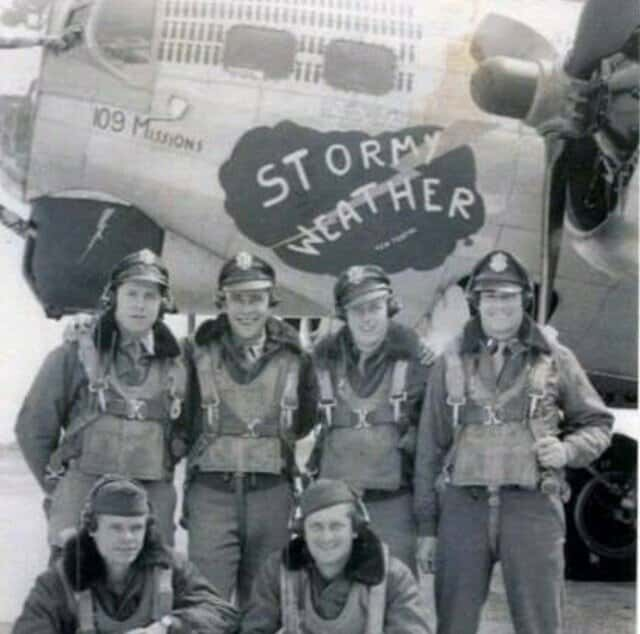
(551, 452)
(426, 554)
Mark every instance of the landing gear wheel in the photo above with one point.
(604, 518)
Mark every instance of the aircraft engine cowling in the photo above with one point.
(75, 242)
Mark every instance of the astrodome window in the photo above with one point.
(359, 67)
(265, 53)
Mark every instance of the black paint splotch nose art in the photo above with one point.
(325, 200)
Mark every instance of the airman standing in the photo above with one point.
(507, 409)
(371, 377)
(109, 400)
(251, 402)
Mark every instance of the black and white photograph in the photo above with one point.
(319, 316)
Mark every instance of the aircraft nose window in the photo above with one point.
(359, 67)
(124, 32)
(268, 52)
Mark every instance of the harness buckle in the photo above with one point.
(396, 403)
(362, 418)
(137, 409)
(212, 413)
(534, 398)
(251, 428)
(98, 387)
(492, 418)
(327, 405)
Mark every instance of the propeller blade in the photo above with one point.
(603, 29)
(499, 35)
(554, 199)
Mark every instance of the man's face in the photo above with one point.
(501, 312)
(368, 322)
(329, 535)
(119, 538)
(137, 306)
(247, 312)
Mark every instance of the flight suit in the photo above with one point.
(246, 417)
(101, 404)
(368, 421)
(479, 487)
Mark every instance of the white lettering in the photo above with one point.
(372, 153)
(276, 181)
(431, 142)
(295, 158)
(346, 213)
(461, 199)
(429, 189)
(307, 242)
(364, 192)
(400, 191)
(322, 225)
(398, 146)
(346, 159)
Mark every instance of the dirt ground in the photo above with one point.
(592, 607)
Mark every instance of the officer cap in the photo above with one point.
(499, 270)
(324, 493)
(360, 284)
(144, 266)
(119, 496)
(246, 272)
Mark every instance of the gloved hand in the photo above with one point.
(551, 452)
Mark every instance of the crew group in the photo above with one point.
(444, 465)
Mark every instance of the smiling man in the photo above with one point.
(335, 575)
(371, 376)
(109, 400)
(251, 401)
(116, 575)
(507, 409)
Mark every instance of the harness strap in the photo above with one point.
(377, 599)
(289, 402)
(86, 617)
(163, 592)
(289, 593)
(207, 360)
(455, 382)
(176, 386)
(398, 394)
(90, 359)
(327, 398)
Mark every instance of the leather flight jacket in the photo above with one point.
(361, 436)
(244, 426)
(363, 612)
(156, 602)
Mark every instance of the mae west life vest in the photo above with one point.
(156, 602)
(361, 436)
(363, 612)
(495, 431)
(244, 426)
(125, 428)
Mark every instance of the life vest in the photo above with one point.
(362, 435)
(125, 428)
(244, 426)
(495, 431)
(156, 602)
(363, 612)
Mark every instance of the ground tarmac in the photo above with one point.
(592, 607)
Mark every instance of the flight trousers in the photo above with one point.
(234, 524)
(525, 531)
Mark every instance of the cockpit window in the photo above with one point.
(267, 52)
(124, 35)
(359, 67)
